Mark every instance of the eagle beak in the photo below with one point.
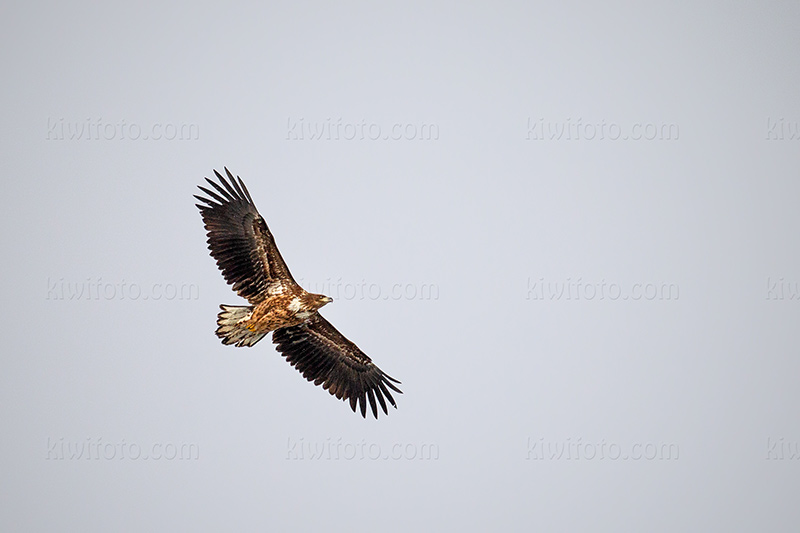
(328, 299)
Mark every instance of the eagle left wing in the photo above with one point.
(240, 240)
(328, 358)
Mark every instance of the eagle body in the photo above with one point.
(287, 308)
(245, 252)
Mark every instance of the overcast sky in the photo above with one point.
(570, 231)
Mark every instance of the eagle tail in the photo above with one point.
(233, 326)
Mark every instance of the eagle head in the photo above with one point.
(318, 300)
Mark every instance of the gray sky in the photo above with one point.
(571, 232)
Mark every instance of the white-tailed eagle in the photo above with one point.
(245, 251)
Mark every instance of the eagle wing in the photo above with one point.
(240, 240)
(328, 358)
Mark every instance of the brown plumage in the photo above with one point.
(245, 252)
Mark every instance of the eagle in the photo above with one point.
(245, 252)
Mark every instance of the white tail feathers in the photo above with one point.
(233, 326)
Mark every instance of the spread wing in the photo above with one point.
(326, 357)
(240, 240)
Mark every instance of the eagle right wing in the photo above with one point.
(240, 240)
(328, 358)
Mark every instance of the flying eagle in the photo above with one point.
(245, 251)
